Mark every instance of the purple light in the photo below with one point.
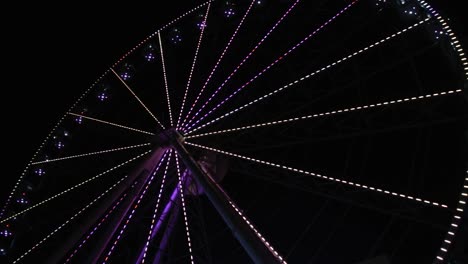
(127, 72)
(79, 120)
(176, 37)
(22, 200)
(102, 96)
(217, 63)
(201, 25)
(6, 233)
(269, 66)
(149, 53)
(135, 206)
(59, 145)
(238, 66)
(95, 228)
(229, 12)
(39, 172)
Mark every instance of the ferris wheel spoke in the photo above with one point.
(136, 97)
(324, 177)
(329, 113)
(254, 229)
(68, 221)
(74, 187)
(184, 210)
(153, 225)
(310, 75)
(243, 61)
(280, 58)
(202, 30)
(96, 227)
(110, 123)
(165, 80)
(135, 206)
(91, 153)
(219, 61)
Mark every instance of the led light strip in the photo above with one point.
(165, 79)
(67, 222)
(110, 123)
(361, 186)
(153, 219)
(136, 97)
(91, 153)
(134, 208)
(243, 61)
(94, 229)
(74, 187)
(191, 125)
(202, 30)
(345, 110)
(182, 199)
(259, 235)
(310, 75)
(440, 257)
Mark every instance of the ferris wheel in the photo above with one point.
(258, 131)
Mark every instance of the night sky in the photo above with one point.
(53, 53)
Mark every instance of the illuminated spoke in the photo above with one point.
(308, 76)
(90, 234)
(202, 30)
(92, 153)
(134, 208)
(219, 61)
(280, 58)
(345, 110)
(361, 186)
(243, 61)
(136, 97)
(182, 199)
(165, 80)
(110, 123)
(74, 187)
(67, 221)
(257, 233)
(153, 219)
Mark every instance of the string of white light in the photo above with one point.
(165, 79)
(184, 210)
(91, 153)
(345, 110)
(202, 30)
(110, 123)
(350, 183)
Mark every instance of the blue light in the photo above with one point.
(39, 172)
(176, 36)
(127, 72)
(150, 53)
(102, 96)
(6, 233)
(59, 145)
(22, 200)
(3, 252)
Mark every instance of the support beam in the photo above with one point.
(257, 250)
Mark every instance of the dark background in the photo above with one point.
(51, 54)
